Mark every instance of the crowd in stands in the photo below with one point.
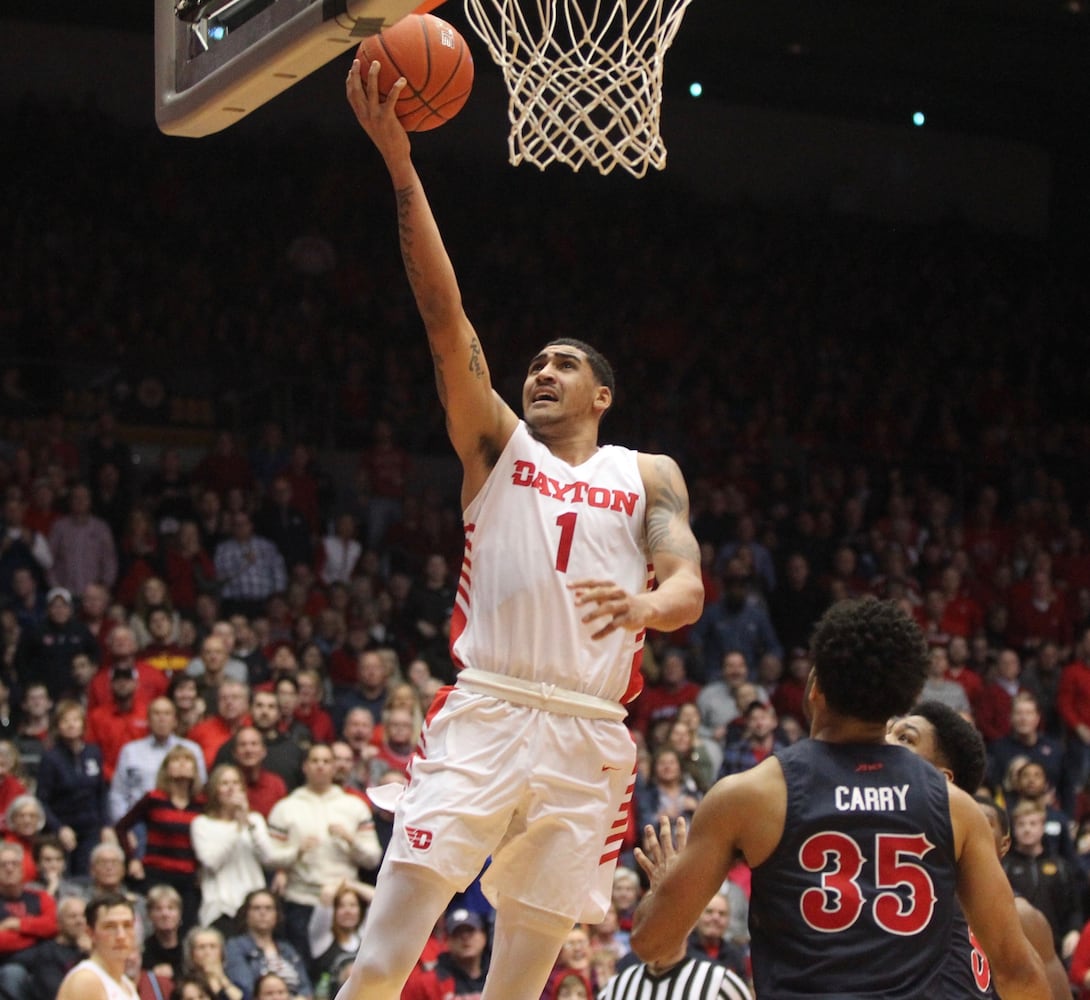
(206, 664)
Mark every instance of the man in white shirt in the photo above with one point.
(320, 835)
(139, 760)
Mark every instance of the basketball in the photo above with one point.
(435, 61)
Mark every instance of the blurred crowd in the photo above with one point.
(209, 659)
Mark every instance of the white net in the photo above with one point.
(584, 78)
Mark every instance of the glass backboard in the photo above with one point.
(218, 60)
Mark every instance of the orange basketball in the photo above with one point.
(434, 59)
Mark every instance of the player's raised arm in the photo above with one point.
(988, 903)
(478, 421)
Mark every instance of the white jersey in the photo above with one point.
(123, 990)
(537, 525)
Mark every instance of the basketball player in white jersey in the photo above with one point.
(112, 923)
(527, 758)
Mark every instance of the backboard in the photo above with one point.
(218, 60)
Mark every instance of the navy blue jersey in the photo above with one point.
(857, 899)
(965, 973)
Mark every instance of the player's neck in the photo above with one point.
(115, 970)
(571, 445)
(834, 728)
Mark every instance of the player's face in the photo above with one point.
(114, 933)
(559, 383)
(1002, 840)
(915, 733)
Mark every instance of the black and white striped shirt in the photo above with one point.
(692, 979)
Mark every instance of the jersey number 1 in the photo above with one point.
(567, 531)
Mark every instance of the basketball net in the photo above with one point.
(584, 78)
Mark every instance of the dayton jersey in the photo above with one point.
(537, 525)
(857, 899)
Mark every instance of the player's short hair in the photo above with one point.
(603, 370)
(870, 659)
(107, 901)
(958, 742)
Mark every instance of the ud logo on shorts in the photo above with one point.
(419, 840)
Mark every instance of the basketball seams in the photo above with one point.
(422, 105)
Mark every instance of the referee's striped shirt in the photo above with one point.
(692, 979)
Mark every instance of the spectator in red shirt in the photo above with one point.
(123, 718)
(957, 669)
(309, 709)
(962, 615)
(232, 706)
(1039, 614)
(11, 787)
(789, 698)
(998, 697)
(460, 970)
(263, 788)
(150, 683)
(931, 617)
(660, 702)
(27, 918)
(399, 736)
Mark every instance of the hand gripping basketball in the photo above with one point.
(435, 62)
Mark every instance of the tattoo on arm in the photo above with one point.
(476, 359)
(668, 512)
(404, 204)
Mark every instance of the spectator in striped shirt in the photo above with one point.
(167, 812)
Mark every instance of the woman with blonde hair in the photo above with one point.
(24, 819)
(167, 812)
(203, 958)
(232, 843)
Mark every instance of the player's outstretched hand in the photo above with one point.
(661, 849)
(377, 116)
